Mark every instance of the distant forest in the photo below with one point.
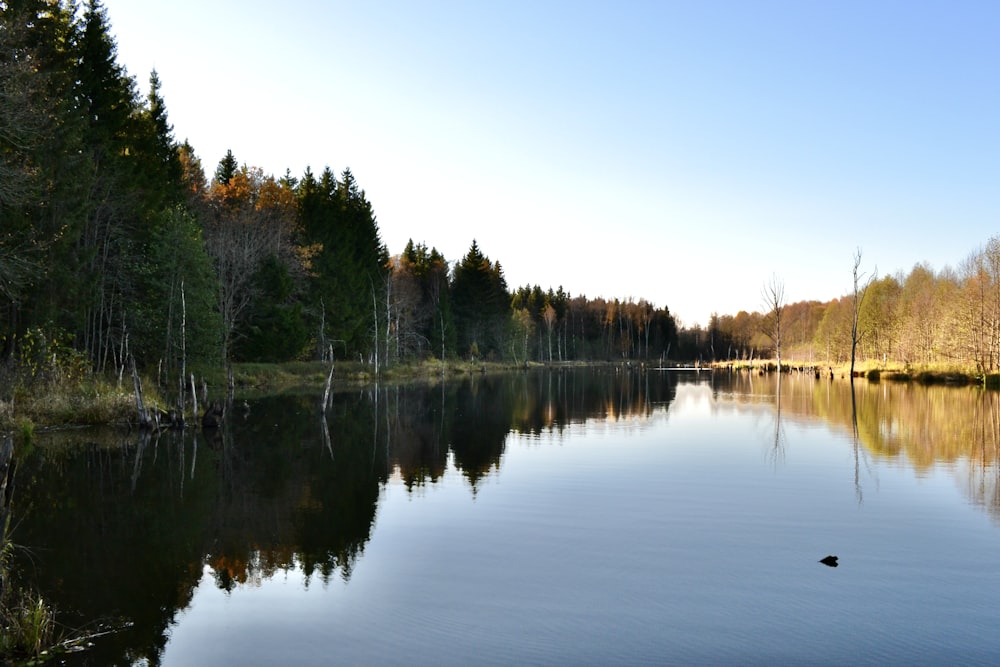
(922, 318)
(117, 246)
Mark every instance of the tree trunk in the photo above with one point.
(182, 402)
(145, 422)
(375, 329)
(8, 466)
(194, 400)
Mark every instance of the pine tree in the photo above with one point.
(160, 154)
(192, 174)
(114, 232)
(351, 263)
(42, 137)
(227, 169)
(481, 305)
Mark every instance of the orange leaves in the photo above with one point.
(272, 194)
(250, 188)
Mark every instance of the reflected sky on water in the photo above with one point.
(588, 517)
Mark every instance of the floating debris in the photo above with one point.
(829, 561)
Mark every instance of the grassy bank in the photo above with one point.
(312, 375)
(875, 372)
(92, 402)
(105, 401)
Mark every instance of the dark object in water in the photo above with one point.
(829, 561)
(214, 414)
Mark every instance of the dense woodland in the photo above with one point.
(116, 244)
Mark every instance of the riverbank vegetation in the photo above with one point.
(924, 323)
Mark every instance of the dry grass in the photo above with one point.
(96, 405)
(89, 402)
(27, 627)
(931, 373)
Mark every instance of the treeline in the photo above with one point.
(116, 245)
(924, 317)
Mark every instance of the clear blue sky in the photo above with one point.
(682, 152)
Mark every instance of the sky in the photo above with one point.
(686, 153)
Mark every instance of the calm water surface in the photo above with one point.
(586, 517)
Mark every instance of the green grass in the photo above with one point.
(27, 627)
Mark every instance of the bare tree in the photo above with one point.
(861, 285)
(238, 248)
(773, 293)
(251, 223)
(412, 312)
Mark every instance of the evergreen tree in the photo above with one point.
(350, 264)
(158, 152)
(228, 167)
(481, 304)
(177, 265)
(42, 219)
(192, 176)
(111, 244)
(276, 329)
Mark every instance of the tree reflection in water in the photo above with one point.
(121, 526)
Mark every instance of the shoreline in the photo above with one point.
(101, 401)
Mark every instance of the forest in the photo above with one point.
(924, 318)
(117, 246)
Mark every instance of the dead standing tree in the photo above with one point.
(861, 285)
(773, 294)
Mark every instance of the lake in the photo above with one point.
(581, 517)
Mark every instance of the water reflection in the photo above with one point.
(123, 526)
(900, 423)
